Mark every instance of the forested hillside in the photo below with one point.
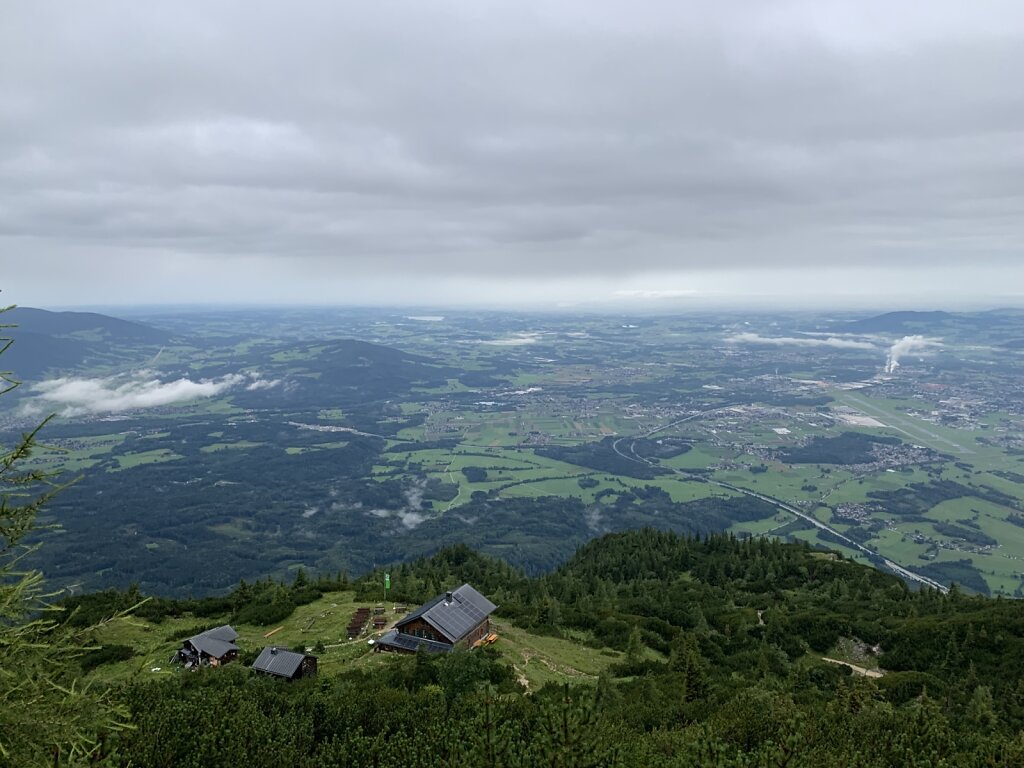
(715, 650)
(661, 641)
(327, 439)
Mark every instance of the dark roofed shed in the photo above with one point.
(287, 664)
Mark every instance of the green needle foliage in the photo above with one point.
(47, 717)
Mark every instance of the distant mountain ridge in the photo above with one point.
(348, 372)
(59, 341)
(43, 321)
(910, 321)
(896, 322)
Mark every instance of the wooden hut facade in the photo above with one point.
(457, 618)
(213, 648)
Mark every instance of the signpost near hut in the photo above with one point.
(387, 585)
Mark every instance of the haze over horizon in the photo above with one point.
(536, 155)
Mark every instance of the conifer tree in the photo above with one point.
(47, 716)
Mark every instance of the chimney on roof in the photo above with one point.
(447, 597)
(273, 651)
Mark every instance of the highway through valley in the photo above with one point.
(895, 567)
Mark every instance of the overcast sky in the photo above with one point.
(556, 153)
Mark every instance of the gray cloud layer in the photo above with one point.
(801, 341)
(250, 150)
(142, 389)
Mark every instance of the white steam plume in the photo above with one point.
(908, 345)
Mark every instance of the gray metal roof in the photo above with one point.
(224, 632)
(421, 610)
(277, 661)
(211, 646)
(215, 642)
(454, 618)
(403, 642)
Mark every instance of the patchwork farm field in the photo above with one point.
(344, 439)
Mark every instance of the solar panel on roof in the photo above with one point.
(457, 617)
(399, 641)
